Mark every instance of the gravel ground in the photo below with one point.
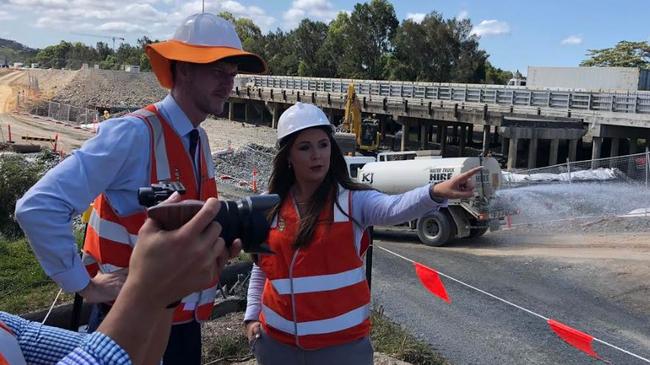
(102, 88)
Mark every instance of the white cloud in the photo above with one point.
(464, 14)
(491, 27)
(572, 40)
(5, 15)
(322, 10)
(157, 19)
(416, 17)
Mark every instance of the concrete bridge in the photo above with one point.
(573, 124)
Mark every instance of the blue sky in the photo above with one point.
(516, 34)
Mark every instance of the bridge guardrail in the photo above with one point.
(633, 102)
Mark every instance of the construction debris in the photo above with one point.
(236, 167)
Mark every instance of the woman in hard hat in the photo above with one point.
(309, 303)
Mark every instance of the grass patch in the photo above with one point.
(24, 287)
(391, 339)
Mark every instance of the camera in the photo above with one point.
(245, 218)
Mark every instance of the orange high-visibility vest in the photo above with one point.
(110, 238)
(316, 296)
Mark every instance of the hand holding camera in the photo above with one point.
(244, 219)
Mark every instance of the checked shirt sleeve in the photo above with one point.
(97, 349)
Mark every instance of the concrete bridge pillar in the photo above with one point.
(596, 150)
(463, 139)
(439, 129)
(512, 153)
(552, 157)
(454, 134)
(633, 149)
(275, 115)
(247, 108)
(573, 150)
(443, 138)
(633, 146)
(486, 139)
(532, 153)
(470, 135)
(613, 150)
(423, 136)
(405, 133)
(596, 147)
(231, 110)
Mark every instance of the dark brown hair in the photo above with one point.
(283, 178)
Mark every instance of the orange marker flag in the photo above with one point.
(431, 280)
(578, 339)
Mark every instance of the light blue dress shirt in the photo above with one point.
(115, 161)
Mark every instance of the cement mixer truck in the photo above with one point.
(461, 218)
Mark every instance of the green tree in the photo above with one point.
(371, 29)
(335, 50)
(436, 50)
(307, 40)
(278, 52)
(624, 54)
(103, 50)
(495, 75)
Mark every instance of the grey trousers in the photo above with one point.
(268, 351)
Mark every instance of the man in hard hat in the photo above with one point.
(162, 142)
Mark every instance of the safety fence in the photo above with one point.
(248, 167)
(603, 195)
(633, 168)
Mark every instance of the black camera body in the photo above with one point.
(245, 219)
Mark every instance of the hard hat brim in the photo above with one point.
(162, 53)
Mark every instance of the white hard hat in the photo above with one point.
(201, 38)
(301, 116)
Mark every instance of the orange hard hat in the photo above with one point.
(202, 38)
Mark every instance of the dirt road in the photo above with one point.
(69, 138)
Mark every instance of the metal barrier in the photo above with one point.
(632, 102)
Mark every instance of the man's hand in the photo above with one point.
(458, 187)
(104, 288)
(168, 265)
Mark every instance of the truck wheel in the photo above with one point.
(434, 229)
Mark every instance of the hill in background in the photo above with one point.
(12, 51)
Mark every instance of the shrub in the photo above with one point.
(17, 174)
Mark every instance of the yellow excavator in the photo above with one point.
(365, 131)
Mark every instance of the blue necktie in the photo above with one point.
(194, 142)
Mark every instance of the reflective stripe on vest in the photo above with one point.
(347, 320)
(160, 148)
(316, 283)
(111, 230)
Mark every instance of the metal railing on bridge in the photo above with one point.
(619, 102)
